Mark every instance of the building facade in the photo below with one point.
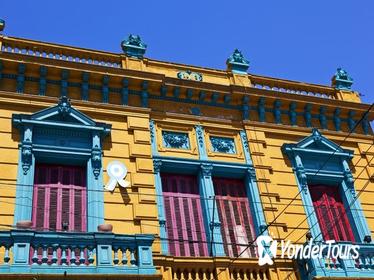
(213, 159)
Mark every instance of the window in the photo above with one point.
(184, 216)
(331, 214)
(59, 198)
(236, 220)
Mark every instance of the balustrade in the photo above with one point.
(339, 267)
(59, 52)
(283, 86)
(49, 252)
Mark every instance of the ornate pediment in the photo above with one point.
(316, 144)
(62, 115)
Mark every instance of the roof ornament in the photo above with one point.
(237, 63)
(64, 106)
(133, 46)
(2, 24)
(341, 80)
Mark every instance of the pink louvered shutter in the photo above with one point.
(234, 213)
(331, 214)
(184, 218)
(59, 198)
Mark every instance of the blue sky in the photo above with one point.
(297, 40)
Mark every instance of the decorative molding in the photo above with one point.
(337, 120)
(125, 91)
(247, 153)
(96, 155)
(43, 80)
(223, 145)
(82, 145)
(251, 173)
(200, 141)
(306, 156)
(204, 98)
(144, 94)
(351, 121)
(206, 169)
(21, 78)
(308, 115)
(175, 140)
(64, 82)
(322, 117)
(261, 109)
(292, 113)
(157, 163)
(105, 89)
(134, 47)
(64, 106)
(189, 75)
(277, 111)
(26, 152)
(85, 86)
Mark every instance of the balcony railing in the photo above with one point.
(184, 268)
(26, 251)
(363, 266)
(59, 52)
(292, 87)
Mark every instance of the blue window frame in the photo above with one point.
(60, 135)
(317, 160)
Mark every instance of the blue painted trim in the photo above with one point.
(210, 211)
(102, 247)
(247, 154)
(219, 169)
(160, 207)
(125, 92)
(255, 202)
(152, 129)
(31, 151)
(21, 78)
(85, 86)
(336, 172)
(24, 191)
(64, 82)
(105, 89)
(200, 140)
(145, 95)
(43, 80)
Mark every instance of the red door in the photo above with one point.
(234, 213)
(59, 198)
(331, 214)
(184, 217)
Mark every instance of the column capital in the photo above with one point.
(157, 163)
(251, 172)
(206, 169)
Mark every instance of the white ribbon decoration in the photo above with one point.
(117, 172)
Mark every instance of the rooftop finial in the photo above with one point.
(237, 62)
(2, 24)
(134, 46)
(341, 80)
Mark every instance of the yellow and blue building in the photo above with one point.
(214, 158)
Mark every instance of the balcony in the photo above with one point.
(327, 267)
(222, 268)
(33, 252)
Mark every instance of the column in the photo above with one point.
(160, 206)
(212, 222)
